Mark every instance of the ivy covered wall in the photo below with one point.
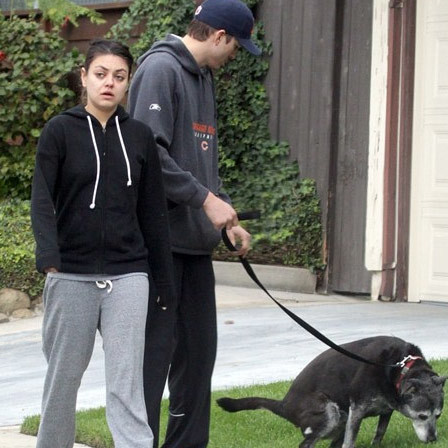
(255, 170)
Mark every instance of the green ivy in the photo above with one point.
(17, 264)
(34, 65)
(255, 170)
(59, 12)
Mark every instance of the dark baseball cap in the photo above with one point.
(233, 16)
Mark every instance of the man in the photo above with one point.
(173, 92)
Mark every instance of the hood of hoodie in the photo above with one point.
(79, 111)
(174, 46)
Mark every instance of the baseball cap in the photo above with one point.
(233, 16)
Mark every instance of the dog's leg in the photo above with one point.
(355, 416)
(309, 442)
(337, 443)
(383, 422)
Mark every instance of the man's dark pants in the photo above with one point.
(184, 336)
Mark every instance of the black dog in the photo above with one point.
(331, 396)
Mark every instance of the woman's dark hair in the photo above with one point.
(99, 47)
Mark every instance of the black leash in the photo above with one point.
(305, 325)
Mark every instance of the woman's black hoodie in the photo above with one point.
(98, 204)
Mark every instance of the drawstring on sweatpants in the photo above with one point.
(102, 284)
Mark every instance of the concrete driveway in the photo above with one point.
(258, 343)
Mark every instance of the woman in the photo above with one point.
(100, 224)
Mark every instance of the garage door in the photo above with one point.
(428, 270)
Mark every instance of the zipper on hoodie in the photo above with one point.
(104, 134)
(103, 215)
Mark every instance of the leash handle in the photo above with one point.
(251, 214)
(305, 325)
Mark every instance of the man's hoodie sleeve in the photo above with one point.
(43, 216)
(152, 100)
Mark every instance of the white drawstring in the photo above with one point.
(102, 284)
(176, 415)
(128, 167)
(92, 205)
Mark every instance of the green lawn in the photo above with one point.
(259, 429)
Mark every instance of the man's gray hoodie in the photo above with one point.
(176, 98)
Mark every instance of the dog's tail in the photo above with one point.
(252, 403)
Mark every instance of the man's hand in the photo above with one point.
(50, 269)
(239, 235)
(221, 214)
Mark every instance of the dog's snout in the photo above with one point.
(427, 435)
(426, 431)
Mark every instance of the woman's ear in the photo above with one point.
(83, 76)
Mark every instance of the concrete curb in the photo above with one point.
(11, 437)
(279, 278)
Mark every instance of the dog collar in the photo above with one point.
(405, 365)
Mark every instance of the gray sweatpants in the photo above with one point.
(75, 307)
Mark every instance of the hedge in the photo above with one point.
(34, 80)
(35, 74)
(255, 170)
(17, 265)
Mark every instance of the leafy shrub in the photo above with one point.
(17, 265)
(59, 12)
(35, 73)
(34, 68)
(34, 86)
(255, 170)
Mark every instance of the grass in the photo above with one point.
(258, 429)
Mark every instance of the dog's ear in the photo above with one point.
(410, 387)
(439, 380)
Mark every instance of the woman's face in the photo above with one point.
(106, 82)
